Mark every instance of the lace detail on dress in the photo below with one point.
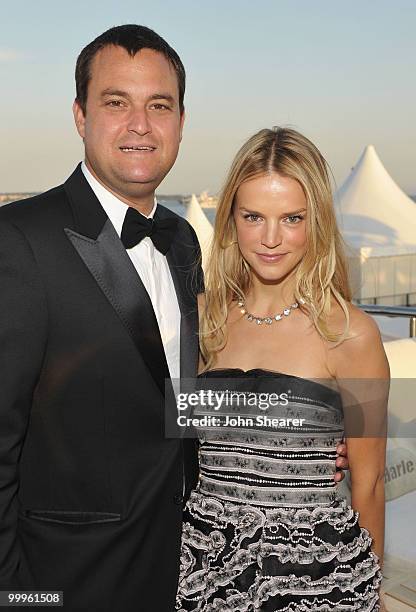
(254, 555)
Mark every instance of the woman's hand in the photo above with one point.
(341, 462)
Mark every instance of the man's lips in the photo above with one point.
(143, 148)
(271, 258)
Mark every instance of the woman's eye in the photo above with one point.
(294, 219)
(252, 218)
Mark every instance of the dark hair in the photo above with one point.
(132, 38)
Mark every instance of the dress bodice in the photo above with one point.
(260, 455)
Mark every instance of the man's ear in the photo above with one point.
(79, 118)
(182, 122)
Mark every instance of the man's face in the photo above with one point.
(132, 126)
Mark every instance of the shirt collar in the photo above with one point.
(114, 207)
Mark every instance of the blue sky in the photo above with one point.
(342, 73)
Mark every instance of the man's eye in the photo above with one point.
(114, 103)
(159, 106)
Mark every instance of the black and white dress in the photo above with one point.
(265, 529)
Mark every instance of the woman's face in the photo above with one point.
(270, 218)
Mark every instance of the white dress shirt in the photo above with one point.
(152, 267)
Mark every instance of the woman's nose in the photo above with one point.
(271, 237)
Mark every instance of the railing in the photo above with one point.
(393, 311)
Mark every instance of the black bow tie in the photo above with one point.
(136, 227)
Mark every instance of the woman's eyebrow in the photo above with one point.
(283, 214)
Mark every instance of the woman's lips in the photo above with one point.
(271, 258)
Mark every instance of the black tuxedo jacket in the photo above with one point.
(90, 488)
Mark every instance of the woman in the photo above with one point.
(265, 529)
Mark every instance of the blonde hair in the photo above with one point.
(321, 273)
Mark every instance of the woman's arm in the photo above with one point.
(363, 375)
(367, 460)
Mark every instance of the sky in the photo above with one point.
(340, 72)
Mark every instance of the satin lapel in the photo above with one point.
(182, 279)
(114, 272)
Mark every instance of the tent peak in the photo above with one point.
(373, 210)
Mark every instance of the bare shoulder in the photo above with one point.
(362, 328)
(362, 353)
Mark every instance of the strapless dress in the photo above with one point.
(265, 528)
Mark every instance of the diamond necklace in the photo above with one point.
(268, 320)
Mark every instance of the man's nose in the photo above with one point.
(271, 237)
(139, 121)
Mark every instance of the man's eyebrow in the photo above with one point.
(114, 92)
(162, 96)
(119, 92)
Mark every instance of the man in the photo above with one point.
(98, 309)
(91, 491)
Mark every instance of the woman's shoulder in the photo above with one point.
(361, 353)
(362, 327)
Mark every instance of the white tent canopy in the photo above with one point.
(378, 220)
(374, 212)
(203, 228)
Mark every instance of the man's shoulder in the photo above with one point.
(34, 209)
